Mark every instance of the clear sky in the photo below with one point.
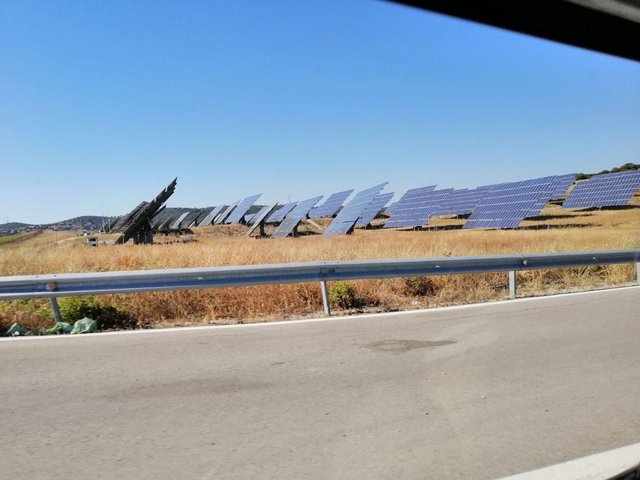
(103, 103)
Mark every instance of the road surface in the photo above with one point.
(471, 392)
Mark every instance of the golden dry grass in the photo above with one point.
(555, 231)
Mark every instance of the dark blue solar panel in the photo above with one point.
(373, 209)
(294, 217)
(279, 214)
(243, 207)
(604, 190)
(560, 185)
(331, 206)
(350, 213)
(461, 202)
(416, 207)
(505, 205)
(259, 217)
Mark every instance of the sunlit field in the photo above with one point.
(555, 230)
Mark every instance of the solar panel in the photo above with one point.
(560, 185)
(373, 209)
(242, 208)
(506, 205)
(222, 216)
(211, 216)
(604, 190)
(294, 217)
(331, 206)
(460, 202)
(176, 224)
(279, 214)
(260, 217)
(190, 218)
(416, 206)
(346, 219)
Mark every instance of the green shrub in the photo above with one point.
(107, 316)
(344, 295)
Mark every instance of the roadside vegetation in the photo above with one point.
(554, 231)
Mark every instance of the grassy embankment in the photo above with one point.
(555, 231)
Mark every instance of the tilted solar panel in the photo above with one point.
(506, 205)
(331, 206)
(294, 217)
(604, 190)
(242, 208)
(176, 224)
(211, 216)
(260, 217)
(279, 214)
(560, 185)
(346, 219)
(373, 209)
(224, 214)
(416, 207)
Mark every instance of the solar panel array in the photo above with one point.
(294, 217)
(176, 224)
(225, 213)
(560, 185)
(331, 206)
(373, 209)
(506, 205)
(278, 215)
(604, 190)
(208, 220)
(416, 207)
(241, 210)
(347, 217)
(461, 202)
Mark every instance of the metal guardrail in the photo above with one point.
(101, 283)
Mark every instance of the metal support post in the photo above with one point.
(325, 298)
(512, 284)
(55, 308)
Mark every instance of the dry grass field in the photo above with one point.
(555, 230)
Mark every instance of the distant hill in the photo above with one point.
(86, 223)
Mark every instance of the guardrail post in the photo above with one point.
(638, 273)
(55, 308)
(512, 284)
(325, 298)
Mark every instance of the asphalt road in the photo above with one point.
(475, 392)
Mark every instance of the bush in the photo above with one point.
(344, 295)
(106, 316)
(419, 286)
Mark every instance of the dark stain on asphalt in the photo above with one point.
(200, 386)
(403, 346)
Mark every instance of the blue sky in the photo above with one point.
(103, 103)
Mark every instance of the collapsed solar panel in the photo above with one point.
(242, 209)
(506, 205)
(279, 214)
(560, 185)
(137, 224)
(346, 219)
(222, 216)
(259, 218)
(294, 217)
(331, 206)
(604, 190)
(373, 209)
(416, 206)
(208, 219)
